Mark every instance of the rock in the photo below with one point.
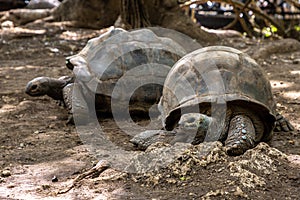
(280, 46)
(294, 160)
(2, 180)
(54, 179)
(46, 187)
(7, 24)
(43, 4)
(6, 173)
(239, 192)
(11, 185)
(213, 194)
(296, 61)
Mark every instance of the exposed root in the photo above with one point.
(95, 171)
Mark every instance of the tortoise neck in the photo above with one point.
(56, 88)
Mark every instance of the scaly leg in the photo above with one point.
(241, 135)
(76, 104)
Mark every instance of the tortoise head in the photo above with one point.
(47, 86)
(38, 87)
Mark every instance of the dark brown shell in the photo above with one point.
(216, 74)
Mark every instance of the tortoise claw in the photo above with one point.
(60, 103)
(70, 120)
(282, 124)
(234, 150)
(240, 147)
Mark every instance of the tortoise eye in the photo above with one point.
(191, 120)
(69, 64)
(34, 87)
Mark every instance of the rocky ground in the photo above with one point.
(41, 156)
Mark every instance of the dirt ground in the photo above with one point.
(36, 145)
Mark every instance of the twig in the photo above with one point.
(96, 171)
(240, 5)
(231, 24)
(294, 2)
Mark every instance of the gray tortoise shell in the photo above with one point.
(216, 74)
(139, 54)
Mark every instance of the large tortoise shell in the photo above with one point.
(216, 74)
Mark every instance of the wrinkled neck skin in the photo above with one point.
(56, 88)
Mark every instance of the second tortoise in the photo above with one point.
(216, 93)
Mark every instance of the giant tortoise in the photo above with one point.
(216, 93)
(138, 54)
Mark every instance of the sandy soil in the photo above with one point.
(36, 145)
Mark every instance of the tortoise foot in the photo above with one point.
(241, 135)
(70, 120)
(143, 140)
(282, 124)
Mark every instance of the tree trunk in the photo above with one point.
(134, 14)
(168, 14)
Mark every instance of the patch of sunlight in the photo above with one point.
(292, 95)
(281, 84)
(81, 34)
(69, 35)
(19, 68)
(7, 108)
(24, 67)
(25, 31)
(52, 117)
(295, 72)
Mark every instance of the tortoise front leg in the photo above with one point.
(67, 99)
(144, 139)
(76, 104)
(241, 135)
(192, 128)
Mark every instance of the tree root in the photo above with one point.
(280, 46)
(24, 16)
(95, 171)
